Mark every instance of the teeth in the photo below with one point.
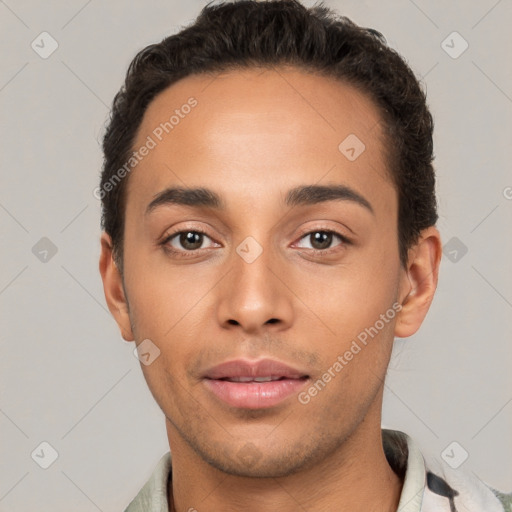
(253, 379)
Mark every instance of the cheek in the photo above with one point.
(172, 309)
(356, 297)
(354, 363)
(359, 310)
(162, 297)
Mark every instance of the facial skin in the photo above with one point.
(253, 136)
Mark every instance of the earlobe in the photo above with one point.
(419, 282)
(113, 288)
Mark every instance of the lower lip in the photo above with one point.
(254, 395)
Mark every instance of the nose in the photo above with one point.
(254, 295)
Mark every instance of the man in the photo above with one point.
(269, 228)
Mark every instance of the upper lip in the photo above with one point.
(253, 368)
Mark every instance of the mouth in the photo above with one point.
(257, 384)
(252, 379)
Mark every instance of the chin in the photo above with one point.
(262, 469)
(251, 461)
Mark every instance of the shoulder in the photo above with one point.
(153, 496)
(462, 489)
(431, 485)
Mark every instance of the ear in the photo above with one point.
(113, 288)
(418, 282)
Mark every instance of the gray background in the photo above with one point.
(69, 379)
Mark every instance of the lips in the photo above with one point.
(257, 384)
(252, 379)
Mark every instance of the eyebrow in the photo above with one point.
(304, 195)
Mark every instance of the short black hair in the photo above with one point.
(249, 34)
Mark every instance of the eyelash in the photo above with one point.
(188, 254)
(324, 252)
(177, 253)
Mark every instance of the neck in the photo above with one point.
(355, 477)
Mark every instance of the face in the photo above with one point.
(280, 271)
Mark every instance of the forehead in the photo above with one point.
(260, 129)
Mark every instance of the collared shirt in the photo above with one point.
(432, 488)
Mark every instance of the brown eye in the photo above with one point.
(321, 240)
(191, 240)
(183, 241)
